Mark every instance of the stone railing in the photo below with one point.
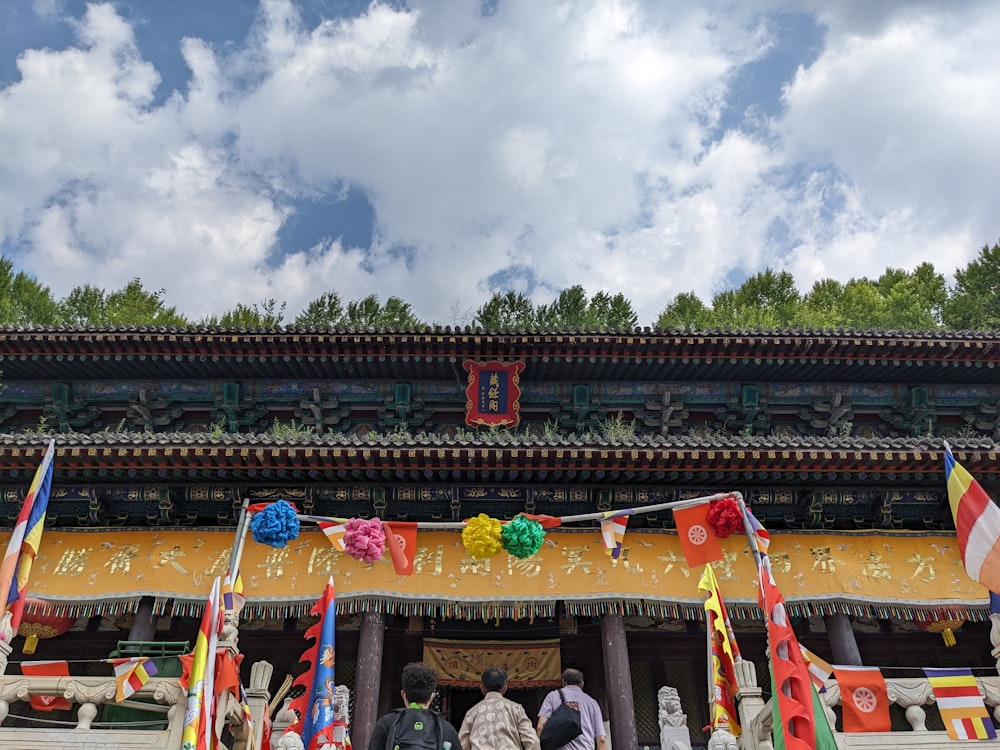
(912, 694)
(88, 694)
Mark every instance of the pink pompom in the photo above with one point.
(364, 540)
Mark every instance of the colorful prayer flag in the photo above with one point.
(759, 532)
(864, 698)
(25, 540)
(963, 712)
(724, 653)
(334, 533)
(977, 523)
(232, 593)
(316, 705)
(198, 718)
(697, 537)
(47, 669)
(401, 539)
(819, 670)
(613, 533)
(823, 739)
(131, 674)
(795, 718)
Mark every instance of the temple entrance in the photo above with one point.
(456, 701)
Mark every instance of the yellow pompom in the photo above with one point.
(482, 536)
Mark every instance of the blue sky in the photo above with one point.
(233, 150)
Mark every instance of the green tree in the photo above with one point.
(88, 305)
(325, 310)
(506, 311)
(686, 310)
(370, 313)
(573, 310)
(765, 300)
(914, 300)
(974, 302)
(23, 300)
(267, 314)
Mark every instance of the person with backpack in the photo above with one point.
(572, 717)
(496, 723)
(415, 726)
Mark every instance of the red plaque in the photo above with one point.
(492, 394)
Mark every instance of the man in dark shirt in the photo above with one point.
(415, 725)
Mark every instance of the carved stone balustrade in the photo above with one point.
(911, 693)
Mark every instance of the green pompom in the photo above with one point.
(522, 537)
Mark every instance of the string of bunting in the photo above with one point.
(277, 523)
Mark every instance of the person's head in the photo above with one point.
(419, 682)
(572, 677)
(494, 680)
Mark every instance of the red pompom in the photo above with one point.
(725, 516)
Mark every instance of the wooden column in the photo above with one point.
(368, 678)
(143, 622)
(618, 682)
(843, 644)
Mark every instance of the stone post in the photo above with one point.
(750, 705)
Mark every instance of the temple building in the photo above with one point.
(833, 438)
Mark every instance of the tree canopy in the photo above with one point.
(917, 299)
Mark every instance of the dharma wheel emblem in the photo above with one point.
(864, 700)
(697, 534)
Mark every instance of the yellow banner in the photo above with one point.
(107, 571)
(528, 663)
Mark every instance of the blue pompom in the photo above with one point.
(275, 525)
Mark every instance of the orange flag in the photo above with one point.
(698, 539)
(47, 669)
(401, 539)
(864, 698)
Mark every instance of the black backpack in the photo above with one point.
(415, 729)
(563, 725)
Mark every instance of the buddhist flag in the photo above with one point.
(613, 532)
(698, 539)
(198, 718)
(401, 539)
(864, 698)
(977, 522)
(796, 720)
(131, 674)
(961, 706)
(317, 727)
(25, 540)
(334, 533)
(819, 670)
(232, 593)
(47, 669)
(760, 534)
(724, 652)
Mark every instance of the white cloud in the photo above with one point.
(579, 143)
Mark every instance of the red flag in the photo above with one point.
(698, 539)
(864, 698)
(792, 687)
(547, 522)
(47, 669)
(401, 539)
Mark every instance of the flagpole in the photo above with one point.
(711, 675)
(242, 525)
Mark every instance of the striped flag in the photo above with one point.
(198, 734)
(334, 533)
(25, 540)
(759, 532)
(977, 522)
(232, 593)
(819, 670)
(613, 532)
(131, 674)
(724, 652)
(960, 703)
